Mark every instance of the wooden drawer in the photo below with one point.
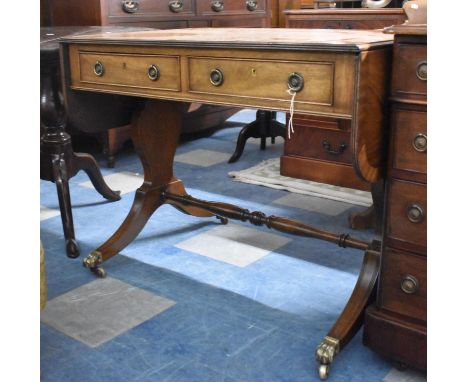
(230, 7)
(255, 78)
(130, 70)
(403, 284)
(410, 71)
(330, 23)
(367, 23)
(240, 22)
(323, 139)
(151, 8)
(407, 212)
(409, 130)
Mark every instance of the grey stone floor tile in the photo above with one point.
(101, 310)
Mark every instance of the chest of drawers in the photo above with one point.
(164, 14)
(396, 325)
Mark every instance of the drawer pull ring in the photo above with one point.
(153, 72)
(295, 82)
(409, 284)
(328, 148)
(251, 5)
(176, 6)
(421, 71)
(98, 68)
(216, 77)
(130, 6)
(415, 213)
(217, 5)
(420, 142)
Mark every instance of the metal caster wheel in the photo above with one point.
(100, 272)
(72, 249)
(323, 371)
(223, 220)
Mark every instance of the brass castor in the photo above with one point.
(99, 272)
(223, 220)
(323, 371)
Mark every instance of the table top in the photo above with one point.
(248, 38)
(50, 36)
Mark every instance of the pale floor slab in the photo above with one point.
(202, 158)
(47, 213)
(256, 141)
(234, 244)
(314, 204)
(405, 376)
(101, 310)
(124, 181)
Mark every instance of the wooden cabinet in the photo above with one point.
(319, 150)
(396, 325)
(356, 18)
(164, 14)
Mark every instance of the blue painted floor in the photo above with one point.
(260, 322)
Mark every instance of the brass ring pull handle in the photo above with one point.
(421, 71)
(176, 6)
(251, 5)
(409, 284)
(98, 68)
(295, 82)
(420, 142)
(328, 148)
(415, 213)
(216, 77)
(130, 6)
(217, 5)
(153, 72)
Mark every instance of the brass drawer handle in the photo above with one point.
(217, 5)
(409, 284)
(328, 148)
(176, 6)
(153, 72)
(421, 70)
(216, 77)
(130, 6)
(415, 213)
(295, 82)
(251, 5)
(420, 142)
(98, 68)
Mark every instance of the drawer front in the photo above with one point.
(410, 71)
(403, 284)
(323, 139)
(407, 212)
(131, 70)
(312, 24)
(223, 7)
(240, 22)
(152, 8)
(409, 129)
(241, 78)
(369, 23)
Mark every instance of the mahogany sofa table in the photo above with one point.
(333, 73)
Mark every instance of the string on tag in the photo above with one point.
(291, 112)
